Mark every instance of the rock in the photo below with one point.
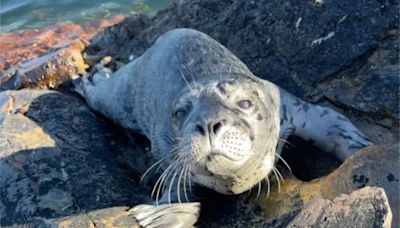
(286, 33)
(372, 166)
(60, 166)
(47, 71)
(367, 207)
(63, 165)
(20, 47)
(358, 86)
(310, 49)
(109, 217)
(58, 163)
(44, 58)
(285, 43)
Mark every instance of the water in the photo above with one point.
(17, 15)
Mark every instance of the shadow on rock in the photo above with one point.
(58, 159)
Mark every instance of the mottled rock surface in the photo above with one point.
(372, 166)
(22, 46)
(367, 207)
(58, 159)
(47, 57)
(47, 71)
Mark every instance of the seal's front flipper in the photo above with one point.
(328, 129)
(166, 215)
(77, 85)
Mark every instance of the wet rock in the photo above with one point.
(367, 207)
(47, 71)
(45, 58)
(58, 163)
(20, 47)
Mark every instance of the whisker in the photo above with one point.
(277, 178)
(170, 186)
(184, 182)
(286, 142)
(163, 188)
(284, 162)
(156, 186)
(154, 165)
(179, 184)
(160, 180)
(194, 81)
(190, 182)
(259, 189)
(268, 185)
(177, 138)
(184, 78)
(280, 174)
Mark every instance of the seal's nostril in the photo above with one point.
(200, 129)
(216, 128)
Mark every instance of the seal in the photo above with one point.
(210, 121)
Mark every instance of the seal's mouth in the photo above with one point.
(216, 154)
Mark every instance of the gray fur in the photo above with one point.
(188, 68)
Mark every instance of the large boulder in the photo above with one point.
(367, 207)
(372, 166)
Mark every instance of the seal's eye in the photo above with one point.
(245, 104)
(180, 113)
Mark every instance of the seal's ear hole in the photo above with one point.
(306, 160)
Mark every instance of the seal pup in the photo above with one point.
(210, 121)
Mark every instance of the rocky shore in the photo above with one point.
(63, 165)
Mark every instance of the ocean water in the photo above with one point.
(17, 15)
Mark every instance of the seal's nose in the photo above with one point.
(213, 128)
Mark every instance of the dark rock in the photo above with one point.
(294, 44)
(371, 84)
(62, 165)
(58, 159)
(343, 52)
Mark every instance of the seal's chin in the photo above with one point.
(219, 163)
(227, 176)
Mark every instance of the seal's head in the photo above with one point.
(227, 132)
